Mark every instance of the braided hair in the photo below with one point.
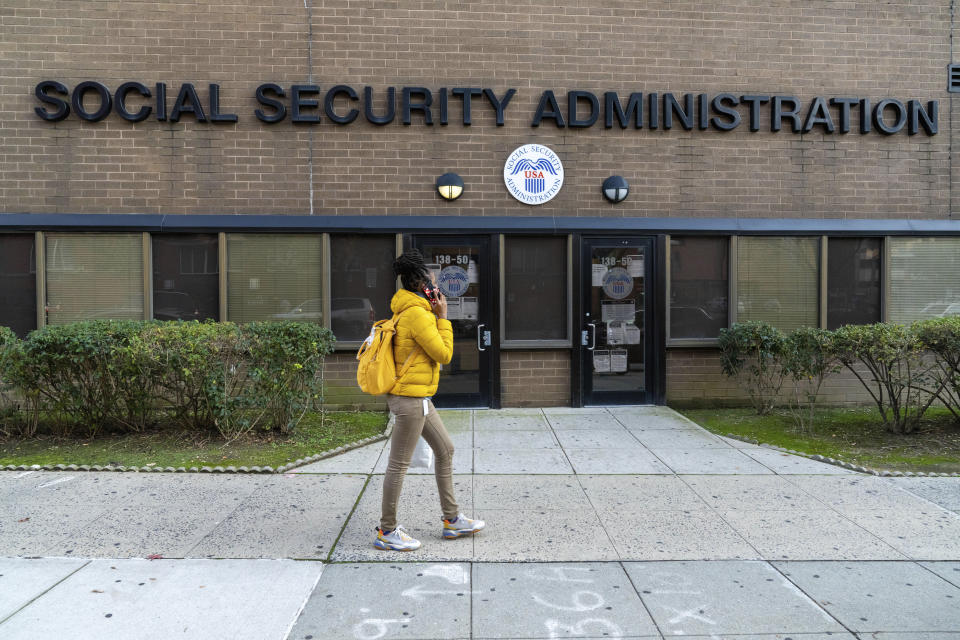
(411, 270)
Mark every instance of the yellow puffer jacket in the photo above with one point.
(418, 325)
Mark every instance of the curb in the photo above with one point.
(886, 473)
(231, 469)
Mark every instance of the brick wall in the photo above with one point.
(535, 378)
(340, 385)
(694, 379)
(818, 48)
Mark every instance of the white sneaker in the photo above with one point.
(462, 526)
(396, 540)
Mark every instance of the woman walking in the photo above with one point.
(426, 337)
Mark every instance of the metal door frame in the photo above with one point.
(655, 307)
(489, 314)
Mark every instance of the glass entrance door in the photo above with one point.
(462, 267)
(616, 337)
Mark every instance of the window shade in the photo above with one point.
(94, 276)
(924, 278)
(535, 291)
(18, 283)
(362, 283)
(698, 287)
(274, 277)
(777, 281)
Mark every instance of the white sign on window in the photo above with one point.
(469, 307)
(599, 270)
(618, 360)
(601, 361)
(611, 310)
(454, 309)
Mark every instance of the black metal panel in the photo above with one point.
(204, 223)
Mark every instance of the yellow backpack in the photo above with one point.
(376, 370)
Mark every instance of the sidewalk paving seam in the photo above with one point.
(303, 605)
(580, 484)
(346, 520)
(861, 527)
(642, 601)
(46, 591)
(810, 597)
(220, 523)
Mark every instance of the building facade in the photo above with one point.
(268, 159)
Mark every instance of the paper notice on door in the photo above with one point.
(601, 361)
(618, 360)
(455, 309)
(611, 310)
(371, 274)
(615, 332)
(632, 334)
(635, 266)
(599, 270)
(469, 308)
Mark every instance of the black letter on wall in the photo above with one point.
(548, 100)
(106, 101)
(328, 104)
(279, 110)
(63, 109)
(120, 102)
(187, 102)
(409, 105)
(500, 104)
(368, 106)
(927, 118)
(612, 106)
(779, 114)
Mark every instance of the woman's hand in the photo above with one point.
(440, 306)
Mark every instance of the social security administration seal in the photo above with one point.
(617, 283)
(453, 281)
(533, 174)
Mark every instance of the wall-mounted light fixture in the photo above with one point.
(615, 189)
(450, 186)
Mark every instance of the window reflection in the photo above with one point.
(536, 288)
(362, 283)
(698, 287)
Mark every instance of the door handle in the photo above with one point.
(593, 336)
(481, 339)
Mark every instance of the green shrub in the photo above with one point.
(899, 374)
(750, 352)
(191, 359)
(941, 337)
(807, 358)
(130, 376)
(8, 404)
(92, 374)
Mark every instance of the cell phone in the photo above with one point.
(432, 294)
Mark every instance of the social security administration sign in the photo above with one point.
(533, 174)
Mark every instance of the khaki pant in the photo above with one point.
(410, 425)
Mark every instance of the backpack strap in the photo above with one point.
(407, 362)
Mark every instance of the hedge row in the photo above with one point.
(133, 376)
(905, 369)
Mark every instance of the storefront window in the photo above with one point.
(535, 288)
(274, 277)
(362, 283)
(777, 281)
(94, 276)
(698, 287)
(185, 277)
(18, 283)
(853, 281)
(924, 278)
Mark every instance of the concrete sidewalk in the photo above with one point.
(620, 522)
